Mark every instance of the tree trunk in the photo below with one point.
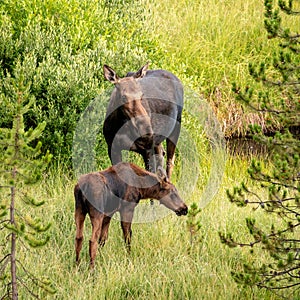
(13, 244)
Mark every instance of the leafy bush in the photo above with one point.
(62, 45)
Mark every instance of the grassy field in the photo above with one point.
(163, 263)
(208, 44)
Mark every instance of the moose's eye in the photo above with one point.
(166, 187)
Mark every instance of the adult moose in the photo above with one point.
(145, 109)
(118, 188)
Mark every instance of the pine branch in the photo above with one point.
(288, 9)
(3, 222)
(27, 288)
(275, 183)
(36, 281)
(4, 262)
(278, 287)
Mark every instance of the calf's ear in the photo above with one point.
(110, 74)
(162, 175)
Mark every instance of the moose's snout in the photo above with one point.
(147, 137)
(145, 141)
(182, 211)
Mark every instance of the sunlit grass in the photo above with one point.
(162, 265)
(213, 40)
(209, 45)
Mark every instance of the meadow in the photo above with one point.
(163, 263)
(208, 45)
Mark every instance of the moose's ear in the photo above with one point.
(110, 74)
(162, 175)
(142, 71)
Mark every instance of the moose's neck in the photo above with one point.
(150, 192)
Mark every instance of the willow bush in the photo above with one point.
(64, 45)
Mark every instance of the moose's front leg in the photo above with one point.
(126, 219)
(146, 157)
(114, 153)
(127, 232)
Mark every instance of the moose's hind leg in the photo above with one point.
(104, 230)
(154, 158)
(96, 219)
(79, 220)
(159, 153)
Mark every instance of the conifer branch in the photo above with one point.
(281, 180)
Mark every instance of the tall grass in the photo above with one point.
(162, 265)
(209, 44)
(213, 40)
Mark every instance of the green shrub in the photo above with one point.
(63, 45)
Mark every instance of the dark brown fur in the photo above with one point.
(144, 110)
(101, 194)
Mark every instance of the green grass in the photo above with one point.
(209, 45)
(162, 265)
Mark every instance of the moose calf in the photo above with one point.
(118, 188)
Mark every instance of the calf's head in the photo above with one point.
(168, 194)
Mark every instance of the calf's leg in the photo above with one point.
(96, 219)
(79, 220)
(126, 220)
(127, 232)
(104, 230)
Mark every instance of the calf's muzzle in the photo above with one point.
(181, 211)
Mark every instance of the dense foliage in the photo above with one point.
(279, 193)
(62, 46)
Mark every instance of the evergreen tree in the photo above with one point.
(21, 165)
(277, 189)
(193, 223)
